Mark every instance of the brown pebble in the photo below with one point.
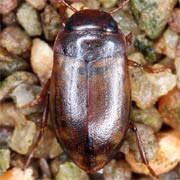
(9, 19)
(7, 6)
(15, 40)
(50, 22)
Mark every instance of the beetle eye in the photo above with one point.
(112, 26)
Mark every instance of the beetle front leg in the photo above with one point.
(141, 150)
(66, 5)
(145, 67)
(120, 6)
(44, 123)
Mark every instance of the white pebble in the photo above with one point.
(42, 59)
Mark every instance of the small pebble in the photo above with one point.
(7, 6)
(9, 19)
(69, 171)
(169, 108)
(41, 59)
(10, 63)
(29, 19)
(119, 170)
(50, 22)
(14, 80)
(148, 87)
(23, 134)
(167, 44)
(4, 159)
(18, 174)
(15, 40)
(24, 94)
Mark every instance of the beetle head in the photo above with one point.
(91, 20)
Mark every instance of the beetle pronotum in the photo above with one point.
(90, 96)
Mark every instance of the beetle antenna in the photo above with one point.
(68, 5)
(120, 6)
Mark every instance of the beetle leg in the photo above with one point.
(67, 5)
(145, 67)
(120, 6)
(41, 97)
(141, 150)
(128, 38)
(44, 122)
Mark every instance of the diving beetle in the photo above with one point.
(90, 94)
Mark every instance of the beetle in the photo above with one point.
(90, 96)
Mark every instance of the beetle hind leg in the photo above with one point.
(44, 122)
(145, 67)
(142, 151)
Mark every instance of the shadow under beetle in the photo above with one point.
(90, 94)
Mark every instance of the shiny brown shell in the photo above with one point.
(90, 89)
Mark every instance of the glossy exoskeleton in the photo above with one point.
(90, 94)
(90, 90)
